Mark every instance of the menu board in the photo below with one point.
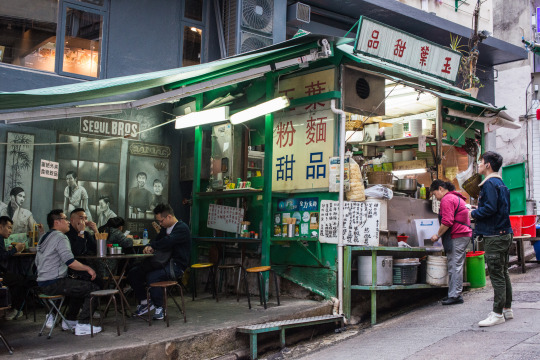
(361, 222)
(225, 218)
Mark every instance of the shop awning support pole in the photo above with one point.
(341, 114)
(439, 138)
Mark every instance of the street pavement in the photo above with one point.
(435, 331)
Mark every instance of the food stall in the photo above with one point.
(275, 176)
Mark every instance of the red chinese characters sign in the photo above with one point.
(401, 48)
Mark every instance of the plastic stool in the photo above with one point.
(211, 277)
(111, 294)
(259, 270)
(165, 285)
(50, 302)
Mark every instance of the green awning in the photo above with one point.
(89, 90)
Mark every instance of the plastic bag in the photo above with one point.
(463, 176)
(379, 192)
(356, 192)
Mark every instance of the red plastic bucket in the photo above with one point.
(528, 225)
(516, 223)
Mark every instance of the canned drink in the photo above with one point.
(248, 184)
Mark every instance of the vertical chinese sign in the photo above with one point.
(385, 42)
(303, 136)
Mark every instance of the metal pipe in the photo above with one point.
(341, 113)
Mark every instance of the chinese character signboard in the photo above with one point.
(396, 46)
(361, 222)
(48, 169)
(225, 218)
(303, 136)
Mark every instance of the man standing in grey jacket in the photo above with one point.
(53, 258)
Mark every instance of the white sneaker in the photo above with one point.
(492, 319)
(11, 313)
(508, 314)
(84, 329)
(69, 324)
(50, 321)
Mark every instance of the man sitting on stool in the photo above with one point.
(172, 243)
(16, 283)
(53, 258)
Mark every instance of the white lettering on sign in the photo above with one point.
(361, 223)
(399, 47)
(94, 125)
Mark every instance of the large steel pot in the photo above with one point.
(406, 185)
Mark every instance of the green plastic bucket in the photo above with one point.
(476, 269)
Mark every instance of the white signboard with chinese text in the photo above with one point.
(303, 138)
(225, 218)
(48, 169)
(333, 185)
(399, 47)
(361, 223)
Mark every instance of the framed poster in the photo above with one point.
(147, 184)
(19, 166)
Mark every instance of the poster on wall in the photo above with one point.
(147, 184)
(18, 181)
(361, 223)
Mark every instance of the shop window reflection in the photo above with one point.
(82, 43)
(191, 54)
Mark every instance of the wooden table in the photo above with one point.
(111, 272)
(521, 252)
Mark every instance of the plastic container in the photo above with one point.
(516, 223)
(384, 270)
(405, 274)
(402, 238)
(528, 225)
(145, 237)
(437, 271)
(536, 246)
(476, 269)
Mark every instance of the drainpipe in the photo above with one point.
(341, 113)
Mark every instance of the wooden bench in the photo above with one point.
(281, 326)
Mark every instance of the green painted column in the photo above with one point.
(195, 206)
(267, 193)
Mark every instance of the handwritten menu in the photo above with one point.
(225, 218)
(361, 222)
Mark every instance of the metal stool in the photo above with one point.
(259, 270)
(165, 285)
(50, 302)
(222, 268)
(211, 278)
(111, 294)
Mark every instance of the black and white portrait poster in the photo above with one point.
(19, 165)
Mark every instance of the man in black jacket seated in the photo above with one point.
(83, 243)
(171, 249)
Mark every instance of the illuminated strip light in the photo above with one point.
(267, 107)
(204, 117)
(409, 172)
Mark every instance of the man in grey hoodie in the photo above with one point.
(53, 258)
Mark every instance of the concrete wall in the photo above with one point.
(446, 9)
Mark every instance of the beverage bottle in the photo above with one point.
(423, 192)
(145, 237)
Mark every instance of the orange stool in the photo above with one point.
(211, 278)
(262, 295)
(165, 285)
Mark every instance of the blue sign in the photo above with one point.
(299, 204)
(288, 205)
(309, 204)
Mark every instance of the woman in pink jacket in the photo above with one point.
(455, 231)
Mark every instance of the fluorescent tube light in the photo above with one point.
(204, 117)
(259, 110)
(409, 172)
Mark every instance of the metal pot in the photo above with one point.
(406, 185)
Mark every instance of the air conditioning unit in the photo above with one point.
(248, 25)
(298, 14)
(363, 93)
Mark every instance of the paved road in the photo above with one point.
(446, 332)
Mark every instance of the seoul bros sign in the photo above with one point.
(398, 47)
